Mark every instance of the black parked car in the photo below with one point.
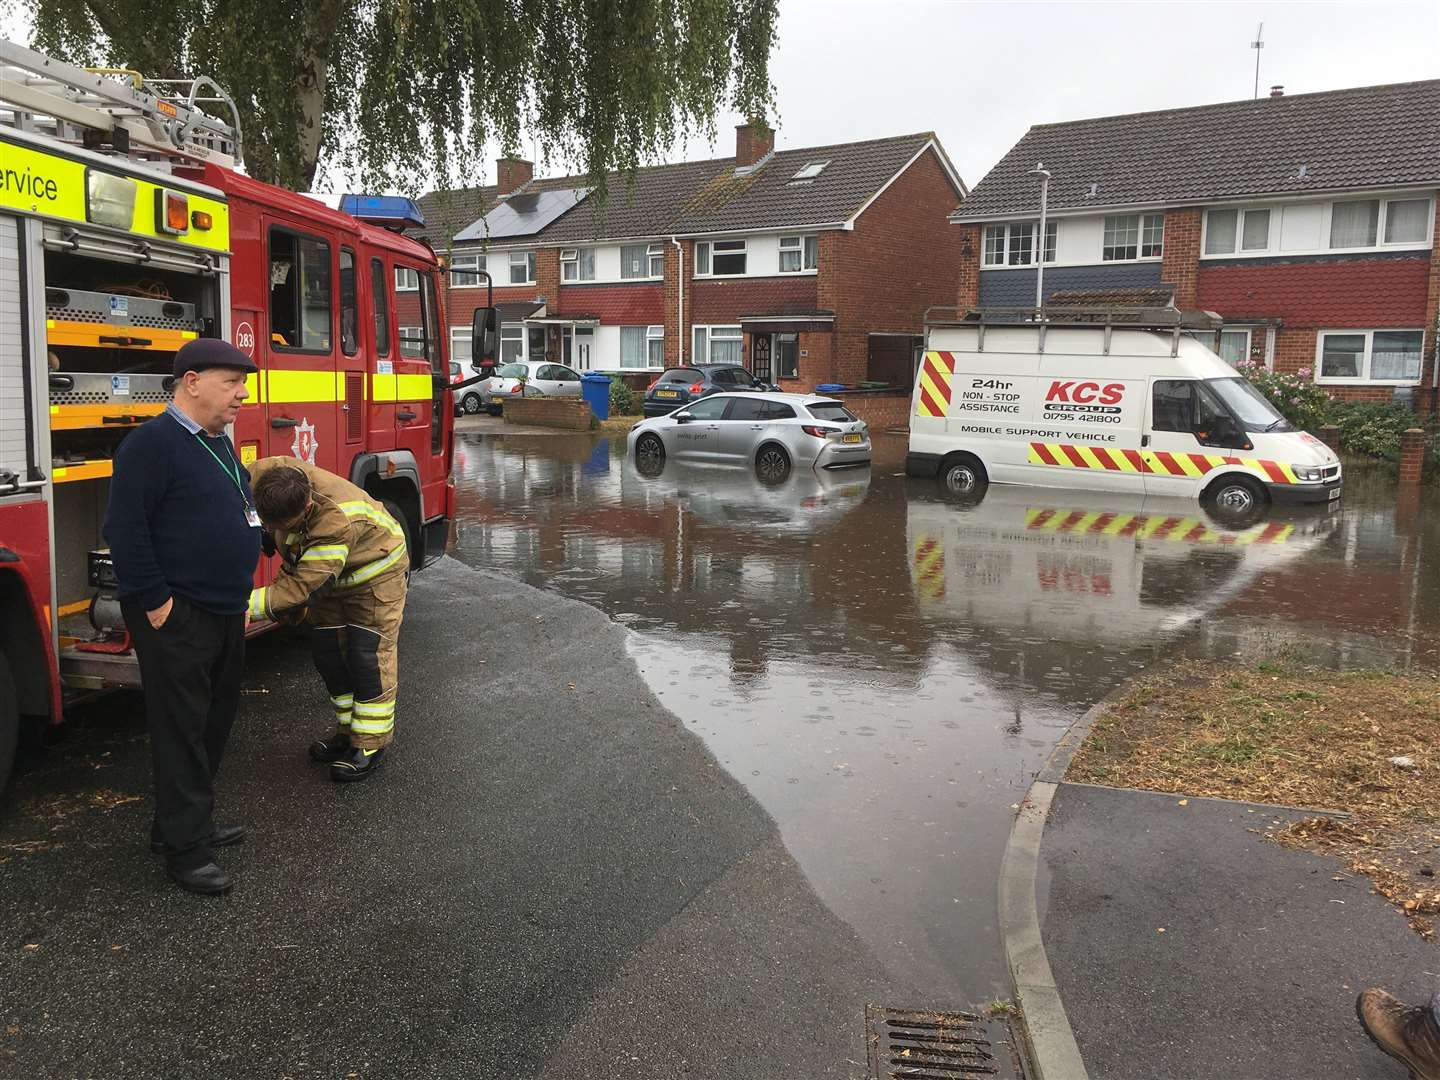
(682, 385)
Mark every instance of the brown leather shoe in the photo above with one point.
(1408, 1033)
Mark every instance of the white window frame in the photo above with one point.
(407, 276)
(810, 170)
(1142, 222)
(523, 338)
(466, 266)
(1010, 233)
(1327, 209)
(460, 335)
(653, 338)
(652, 261)
(702, 338)
(528, 258)
(405, 334)
(1367, 357)
(1248, 331)
(574, 262)
(706, 250)
(808, 249)
(655, 259)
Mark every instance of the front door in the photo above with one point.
(761, 351)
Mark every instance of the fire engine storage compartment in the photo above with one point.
(112, 330)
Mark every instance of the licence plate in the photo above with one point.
(851, 439)
(667, 393)
(1335, 494)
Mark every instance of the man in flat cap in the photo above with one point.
(185, 538)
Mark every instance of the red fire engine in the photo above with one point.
(126, 230)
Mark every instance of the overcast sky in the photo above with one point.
(979, 74)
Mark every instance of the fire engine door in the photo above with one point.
(302, 388)
(419, 426)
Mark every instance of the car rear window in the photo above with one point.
(831, 410)
(681, 375)
(514, 371)
(731, 377)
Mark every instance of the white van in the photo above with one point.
(1109, 401)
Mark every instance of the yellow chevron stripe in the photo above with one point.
(1117, 525)
(1090, 458)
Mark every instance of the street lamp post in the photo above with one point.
(1039, 247)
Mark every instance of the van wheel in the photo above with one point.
(772, 464)
(963, 474)
(1236, 496)
(9, 721)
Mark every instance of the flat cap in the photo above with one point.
(205, 353)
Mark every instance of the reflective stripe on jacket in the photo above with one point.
(345, 540)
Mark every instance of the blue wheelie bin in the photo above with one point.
(595, 389)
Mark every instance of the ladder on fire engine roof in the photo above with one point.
(1108, 319)
(158, 121)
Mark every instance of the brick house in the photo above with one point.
(1307, 222)
(808, 266)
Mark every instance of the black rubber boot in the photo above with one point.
(357, 764)
(332, 749)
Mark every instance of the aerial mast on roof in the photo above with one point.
(1257, 45)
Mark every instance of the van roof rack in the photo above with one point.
(1069, 316)
(116, 110)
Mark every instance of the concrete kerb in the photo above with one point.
(1053, 1052)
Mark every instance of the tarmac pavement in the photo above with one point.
(1187, 947)
(549, 877)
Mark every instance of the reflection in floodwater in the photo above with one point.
(884, 667)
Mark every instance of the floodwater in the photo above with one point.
(885, 668)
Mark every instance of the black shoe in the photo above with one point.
(209, 879)
(356, 765)
(223, 836)
(328, 751)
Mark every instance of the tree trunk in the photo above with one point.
(312, 79)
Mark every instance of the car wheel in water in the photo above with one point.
(649, 455)
(1236, 497)
(471, 404)
(963, 475)
(772, 464)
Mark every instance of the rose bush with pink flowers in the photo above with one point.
(1294, 393)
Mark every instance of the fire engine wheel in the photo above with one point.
(772, 464)
(962, 474)
(9, 721)
(471, 404)
(393, 509)
(1236, 495)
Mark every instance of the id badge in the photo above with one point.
(252, 517)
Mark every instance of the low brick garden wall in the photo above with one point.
(570, 414)
(883, 412)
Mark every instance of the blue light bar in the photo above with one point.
(387, 211)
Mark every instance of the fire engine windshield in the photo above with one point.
(1249, 405)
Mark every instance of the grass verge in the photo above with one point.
(1366, 743)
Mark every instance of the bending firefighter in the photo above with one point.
(344, 558)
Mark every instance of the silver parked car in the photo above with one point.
(540, 379)
(773, 433)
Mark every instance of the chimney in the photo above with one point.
(752, 142)
(511, 173)
(1277, 91)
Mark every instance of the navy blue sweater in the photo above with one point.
(176, 522)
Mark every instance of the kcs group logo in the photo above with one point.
(1091, 402)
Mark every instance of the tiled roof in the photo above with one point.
(1139, 296)
(1371, 137)
(447, 212)
(706, 196)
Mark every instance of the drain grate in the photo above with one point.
(912, 1045)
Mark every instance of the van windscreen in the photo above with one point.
(1254, 410)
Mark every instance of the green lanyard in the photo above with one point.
(235, 476)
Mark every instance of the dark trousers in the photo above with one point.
(191, 668)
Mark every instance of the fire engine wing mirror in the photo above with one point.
(484, 337)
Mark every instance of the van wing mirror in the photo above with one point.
(484, 337)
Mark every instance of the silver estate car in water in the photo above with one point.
(769, 432)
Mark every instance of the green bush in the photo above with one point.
(623, 400)
(1373, 429)
(1294, 393)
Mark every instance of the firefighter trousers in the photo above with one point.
(354, 638)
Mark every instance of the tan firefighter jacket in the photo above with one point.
(345, 540)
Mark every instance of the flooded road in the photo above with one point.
(885, 668)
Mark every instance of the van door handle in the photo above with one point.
(1144, 440)
(283, 422)
(407, 415)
